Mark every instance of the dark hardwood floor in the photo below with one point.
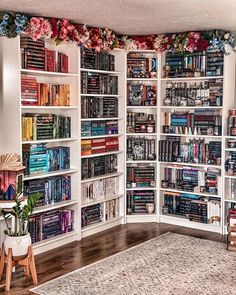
(67, 258)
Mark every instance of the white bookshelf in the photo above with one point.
(147, 217)
(105, 224)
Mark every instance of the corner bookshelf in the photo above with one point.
(106, 207)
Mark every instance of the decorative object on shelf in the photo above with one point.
(11, 173)
(12, 24)
(231, 221)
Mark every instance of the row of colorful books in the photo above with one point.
(193, 207)
(140, 148)
(50, 224)
(52, 189)
(140, 175)
(140, 94)
(45, 126)
(99, 107)
(100, 145)
(96, 128)
(98, 166)
(93, 83)
(43, 94)
(139, 202)
(172, 149)
(91, 59)
(100, 189)
(34, 56)
(141, 66)
(38, 158)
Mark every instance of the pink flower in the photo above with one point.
(38, 27)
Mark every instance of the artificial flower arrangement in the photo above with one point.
(61, 30)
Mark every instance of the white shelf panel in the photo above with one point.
(58, 205)
(50, 174)
(99, 224)
(190, 164)
(141, 161)
(100, 71)
(141, 188)
(141, 79)
(102, 177)
(189, 193)
(49, 140)
(102, 136)
(141, 134)
(192, 78)
(230, 200)
(230, 137)
(102, 154)
(230, 149)
(49, 107)
(143, 51)
(193, 107)
(99, 95)
(142, 107)
(54, 239)
(101, 201)
(101, 119)
(191, 136)
(137, 218)
(183, 221)
(46, 73)
(230, 176)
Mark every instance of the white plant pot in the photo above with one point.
(19, 246)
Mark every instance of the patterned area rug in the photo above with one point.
(170, 264)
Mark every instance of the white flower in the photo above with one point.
(226, 36)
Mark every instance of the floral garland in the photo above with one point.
(13, 24)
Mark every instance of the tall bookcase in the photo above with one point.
(11, 137)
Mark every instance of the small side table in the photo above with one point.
(28, 263)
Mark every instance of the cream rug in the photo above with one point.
(170, 264)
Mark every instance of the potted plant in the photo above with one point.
(17, 216)
(17, 235)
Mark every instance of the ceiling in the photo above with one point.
(136, 17)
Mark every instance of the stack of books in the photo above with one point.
(139, 94)
(141, 148)
(91, 214)
(38, 158)
(140, 123)
(100, 145)
(112, 209)
(137, 201)
(96, 128)
(99, 107)
(140, 175)
(45, 126)
(140, 66)
(91, 59)
(97, 166)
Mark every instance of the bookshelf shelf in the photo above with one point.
(141, 161)
(102, 136)
(192, 78)
(54, 206)
(230, 200)
(183, 221)
(101, 223)
(141, 107)
(49, 107)
(102, 154)
(51, 174)
(99, 95)
(54, 239)
(100, 71)
(148, 188)
(101, 201)
(101, 119)
(191, 136)
(192, 107)
(190, 193)
(102, 177)
(142, 79)
(191, 164)
(230, 176)
(49, 140)
(46, 73)
(141, 134)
